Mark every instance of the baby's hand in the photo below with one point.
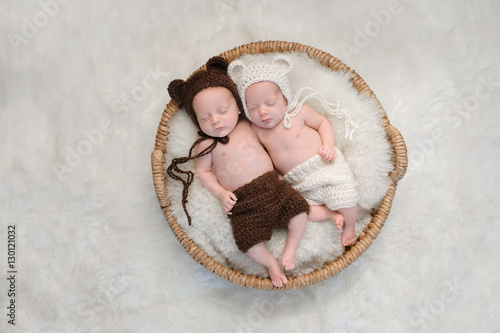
(328, 152)
(228, 200)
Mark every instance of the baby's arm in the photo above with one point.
(203, 166)
(318, 122)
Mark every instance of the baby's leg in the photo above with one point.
(320, 213)
(261, 255)
(296, 229)
(350, 215)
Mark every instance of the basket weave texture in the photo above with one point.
(399, 159)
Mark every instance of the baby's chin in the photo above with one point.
(221, 133)
(268, 125)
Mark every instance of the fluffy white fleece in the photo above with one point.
(93, 250)
(367, 153)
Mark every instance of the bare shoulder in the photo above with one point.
(242, 130)
(311, 116)
(306, 110)
(202, 145)
(255, 128)
(244, 124)
(257, 131)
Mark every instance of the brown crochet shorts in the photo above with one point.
(265, 204)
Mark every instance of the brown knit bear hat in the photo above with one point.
(215, 75)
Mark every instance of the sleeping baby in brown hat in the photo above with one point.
(250, 190)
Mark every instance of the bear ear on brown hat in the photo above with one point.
(217, 63)
(176, 90)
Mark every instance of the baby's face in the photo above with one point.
(216, 110)
(265, 103)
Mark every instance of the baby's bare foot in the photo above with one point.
(338, 219)
(348, 236)
(288, 258)
(278, 277)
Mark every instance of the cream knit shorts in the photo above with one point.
(325, 182)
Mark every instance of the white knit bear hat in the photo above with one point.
(275, 71)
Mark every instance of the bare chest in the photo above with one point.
(280, 138)
(241, 150)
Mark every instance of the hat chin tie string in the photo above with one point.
(333, 108)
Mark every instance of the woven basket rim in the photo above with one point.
(399, 158)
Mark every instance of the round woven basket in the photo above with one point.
(399, 159)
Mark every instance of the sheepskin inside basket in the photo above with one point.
(368, 152)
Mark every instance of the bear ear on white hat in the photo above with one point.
(284, 63)
(235, 70)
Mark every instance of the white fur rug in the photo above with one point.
(83, 85)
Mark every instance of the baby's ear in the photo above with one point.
(217, 63)
(284, 63)
(176, 90)
(235, 70)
